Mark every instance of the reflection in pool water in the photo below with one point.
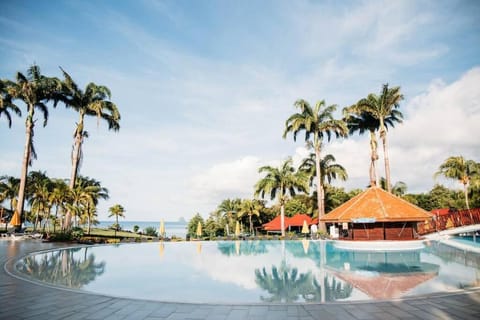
(253, 271)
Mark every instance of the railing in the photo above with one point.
(453, 219)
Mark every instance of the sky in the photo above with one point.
(204, 89)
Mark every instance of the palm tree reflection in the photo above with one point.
(63, 268)
(286, 284)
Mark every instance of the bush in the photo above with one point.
(150, 231)
(136, 228)
(77, 233)
(60, 236)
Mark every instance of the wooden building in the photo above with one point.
(375, 214)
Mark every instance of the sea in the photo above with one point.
(172, 228)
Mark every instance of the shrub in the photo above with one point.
(150, 231)
(136, 228)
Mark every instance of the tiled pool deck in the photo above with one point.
(20, 299)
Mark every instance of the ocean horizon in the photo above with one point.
(172, 228)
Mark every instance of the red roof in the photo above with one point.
(295, 221)
(275, 224)
(378, 205)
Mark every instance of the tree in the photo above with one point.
(279, 182)
(250, 208)
(329, 170)
(6, 104)
(360, 121)
(94, 101)
(383, 108)
(462, 170)
(117, 211)
(35, 90)
(317, 122)
(9, 190)
(38, 191)
(58, 198)
(398, 189)
(193, 223)
(229, 209)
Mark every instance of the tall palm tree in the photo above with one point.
(93, 101)
(462, 170)
(6, 103)
(382, 108)
(319, 124)
(398, 189)
(117, 211)
(35, 90)
(279, 182)
(250, 208)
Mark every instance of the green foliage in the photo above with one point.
(136, 228)
(294, 206)
(150, 231)
(193, 223)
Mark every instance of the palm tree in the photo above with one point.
(250, 207)
(319, 123)
(398, 189)
(279, 182)
(85, 197)
(383, 108)
(58, 198)
(34, 90)
(117, 211)
(328, 168)
(462, 170)
(9, 190)
(229, 209)
(6, 104)
(39, 190)
(94, 101)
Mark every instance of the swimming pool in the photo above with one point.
(252, 271)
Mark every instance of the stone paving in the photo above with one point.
(20, 299)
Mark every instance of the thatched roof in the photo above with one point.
(376, 205)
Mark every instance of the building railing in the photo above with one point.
(453, 219)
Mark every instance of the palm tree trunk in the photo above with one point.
(251, 225)
(320, 192)
(75, 163)
(383, 136)
(282, 218)
(373, 159)
(465, 192)
(26, 160)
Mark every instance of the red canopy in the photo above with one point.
(295, 221)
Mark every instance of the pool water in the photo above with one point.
(253, 271)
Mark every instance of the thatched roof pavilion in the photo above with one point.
(376, 214)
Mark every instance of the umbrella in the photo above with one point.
(237, 229)
(161, 231)
(16, 219)
(305, 227)
(199, 229)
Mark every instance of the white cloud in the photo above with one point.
(441, 122)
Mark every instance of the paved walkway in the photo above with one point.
(20, 299)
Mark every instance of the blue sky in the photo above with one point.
(204, 89)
